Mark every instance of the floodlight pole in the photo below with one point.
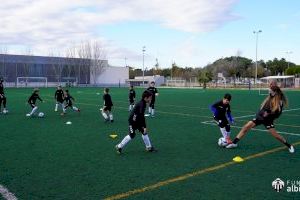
(144, 49)
(125, 62)
(256, 32)
(288, 53)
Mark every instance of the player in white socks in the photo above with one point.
(137, 122)
(2, 97)
(131, 97)
(220, 109)
(155, 93)
(59, 97)
(107, 107)
(32, 102)
(69, 103)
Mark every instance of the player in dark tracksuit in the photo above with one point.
(32, 102)
(137, 122)
(131, 97)
(107, 106)
(59, 97)
(154, 92)
(69, 104)
(220, 109)
(270, 110)
(2, 97)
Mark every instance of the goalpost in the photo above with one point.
(32, 82)
(282, 81)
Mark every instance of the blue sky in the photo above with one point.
(190, 33)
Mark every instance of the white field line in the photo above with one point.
(210, 122)
(291, 110)
(244, 116)
(255, 129)
(7, 194)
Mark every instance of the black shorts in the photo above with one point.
(266, 121)
(131, 101)
(32, 105)
(107, 108)
(132, 128)
(60, 101)
(152, 103)
(222, 122)
(69, 105)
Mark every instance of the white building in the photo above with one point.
(109, 75)
(138, 80)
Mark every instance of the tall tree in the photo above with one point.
(277, 66)
(99, 60)
(27, 63)
(57, 67)
(204, 77)
(71, 64)
(3, 52)
(85, 55)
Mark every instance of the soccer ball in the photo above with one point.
(41, 114)
(222, 142)
(5, 111)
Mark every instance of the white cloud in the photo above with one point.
(283, 26)
(44, 24)
(187, 51)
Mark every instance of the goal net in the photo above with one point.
(32, 82)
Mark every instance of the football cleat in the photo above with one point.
(119, 150)
(291, 149)
(231, 146)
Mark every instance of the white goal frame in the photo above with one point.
(23, 81)
(281, 81)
